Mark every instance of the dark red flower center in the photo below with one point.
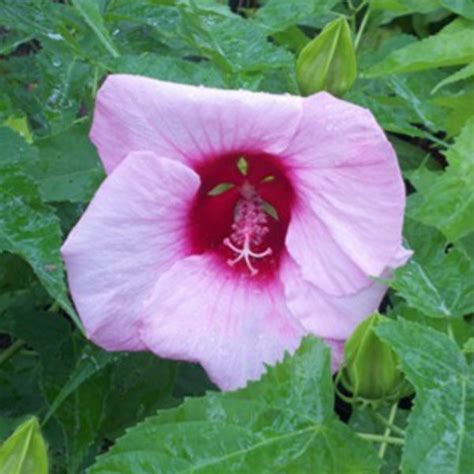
(242, 211)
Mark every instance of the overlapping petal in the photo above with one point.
(202, 312)
(348, 221)
(133, 231)
(337, 352)
(188, 123)
(328, 316)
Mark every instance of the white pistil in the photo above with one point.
(245, 253)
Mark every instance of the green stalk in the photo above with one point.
(393, 427)
(381, 438)
(362, 28)
(388, 429)
(10, 351)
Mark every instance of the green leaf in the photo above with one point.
(283, 423)
(404, 99)
(140, 384)
(278, 15)
(464, 73)
(428, 358)
(447, 201)
(440, 434)
(89, 10)
(15, 149)
(169, 68)
(468, 347)
(9, 42)
(406, 6)
(410, 157)
(447, 48)
(223, 37)
(459, 110)
(19, 125)
(77, 392)
(24, 452)
(437, 282)
(69, 168)
(30, 229)
(91, 361)
(461, 7)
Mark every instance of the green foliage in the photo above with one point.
(415, 73)
(438, 281)
(24, 452)
(448, 202)
(444, 385)
(462, 7)
(30, 229)
(68, 168)
(278, 15)
(89, 10)
(450, 47)
(282, 423)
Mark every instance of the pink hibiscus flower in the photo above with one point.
(231, 223)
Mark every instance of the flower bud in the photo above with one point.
(371, 366)
(328, 62)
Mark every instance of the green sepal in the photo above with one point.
(371, 370)
(328, 62)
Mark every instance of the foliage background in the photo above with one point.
(416, 74)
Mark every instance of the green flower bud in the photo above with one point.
(328, 62)
(371, 366)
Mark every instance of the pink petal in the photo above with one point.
(201, 312)
(337, 353)
(326, 315)
(131, 233)
(348, 221)
(188, 123)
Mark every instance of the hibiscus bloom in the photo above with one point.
(231, 223)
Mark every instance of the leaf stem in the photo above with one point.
(362, 28)
(393, 427)
(436, 140)
(10, 351)
(381, 438)
(388, 429)
(449, 328)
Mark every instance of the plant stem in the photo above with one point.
(10, 351)
(381, 438)
(436, 140)
(388, 429)
(449, 329)
(343, 397)
(393, 427)
(362, 28)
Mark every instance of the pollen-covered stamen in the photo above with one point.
(249, 229)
